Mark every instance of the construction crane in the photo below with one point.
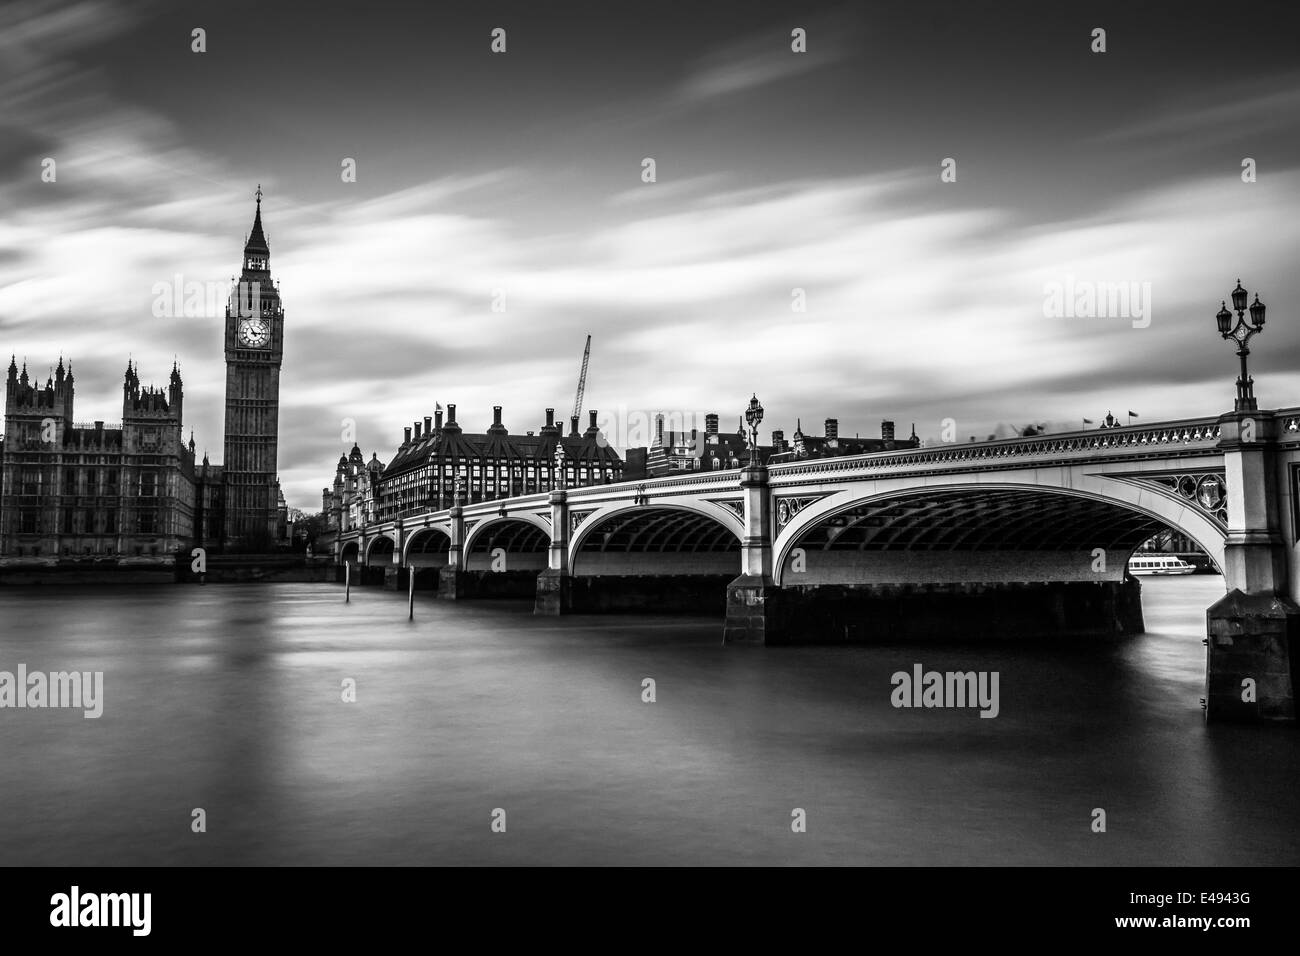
(582, 382)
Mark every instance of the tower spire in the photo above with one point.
(254, 320)
(255, 246)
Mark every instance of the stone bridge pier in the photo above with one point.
(451, 577)
(1251, 665)
(554, 585)
(395, 570)
(754, 612)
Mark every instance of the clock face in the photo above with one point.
(255, 333)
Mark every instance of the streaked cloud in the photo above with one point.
(925, 301)
(761, 59)
(1250, 108)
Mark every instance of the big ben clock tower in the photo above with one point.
(254, 341)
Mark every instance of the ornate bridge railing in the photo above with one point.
(1186, 438)
(1196, 435)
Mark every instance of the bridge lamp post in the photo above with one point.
(559, 465)
(753, 415)
(1241, 333)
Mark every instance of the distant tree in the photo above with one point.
(309, 527)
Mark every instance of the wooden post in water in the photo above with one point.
(347, 582)
(410, 592)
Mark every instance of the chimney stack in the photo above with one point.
(417, 430)
(437, 419)
(887, 430)
(659, 429)
(496, 414)
(451, 414)
(550, 418)
(832, 428)
(573, 427)
(428, 423)
(711, 424)
(778, 439)
(407, 441)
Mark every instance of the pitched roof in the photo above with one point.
(450, 442)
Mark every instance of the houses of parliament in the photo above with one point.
(133, 490)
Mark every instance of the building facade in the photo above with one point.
(438, 464)
(82, 490)
(711, 450)
(673, 452)
(209, 504)
(352, 501)
(831, 444)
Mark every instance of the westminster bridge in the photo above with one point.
(1021, 536)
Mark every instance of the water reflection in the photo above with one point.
(229, 698)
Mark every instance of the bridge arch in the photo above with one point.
(515, 542)
(512, 531)
(660, 538)
(428, 545)
(350, 552)
(900, 529)
(379, 550)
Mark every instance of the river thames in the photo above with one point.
(229, 698)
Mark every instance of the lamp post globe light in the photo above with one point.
(1241, 333)
(559, 465)
(753, 415)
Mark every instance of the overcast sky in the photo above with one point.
(521, 173)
